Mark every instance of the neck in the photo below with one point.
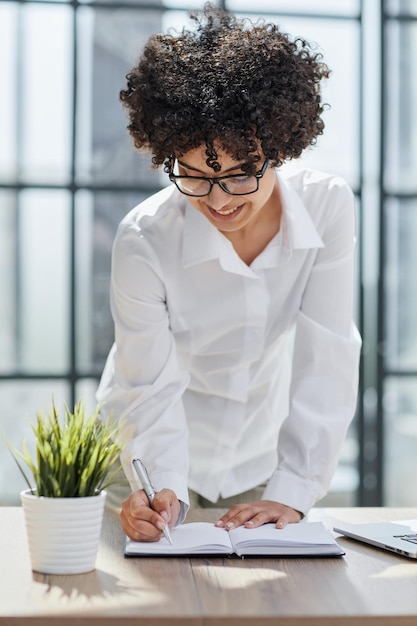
(251, 240)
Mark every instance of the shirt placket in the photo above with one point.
(232, 421)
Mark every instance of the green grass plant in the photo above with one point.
(75, 456)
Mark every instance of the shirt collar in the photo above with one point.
(203, 242)
(200, 237)
(300, 231)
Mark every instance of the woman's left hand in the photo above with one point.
(253, 514)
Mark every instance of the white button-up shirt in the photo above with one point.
(228, 375)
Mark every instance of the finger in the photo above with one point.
(136, 504)
(224, 520)
(162, 502)
(138, 520)
(241, 515)
(137, 507)
(166, 504)
(248, 517)
(257, 520)
(254, 514)
(139, 529)
(289, 516)
(282, 522)
(143, 531)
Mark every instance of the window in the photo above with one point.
(69, 173)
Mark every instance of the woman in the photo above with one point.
(235, 359)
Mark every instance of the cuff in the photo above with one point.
(184, 507)
(290, 490)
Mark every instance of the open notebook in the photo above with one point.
(201, 538)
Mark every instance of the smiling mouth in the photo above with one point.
(226, 211)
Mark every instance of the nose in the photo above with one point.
(217, 198)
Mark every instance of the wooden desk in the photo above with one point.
(367, 586)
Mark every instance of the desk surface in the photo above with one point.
(367, 586)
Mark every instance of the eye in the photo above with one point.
(239, 180)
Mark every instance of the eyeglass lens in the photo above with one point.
(238, 185)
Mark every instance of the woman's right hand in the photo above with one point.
(140, 522)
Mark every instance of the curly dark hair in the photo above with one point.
(229, 82)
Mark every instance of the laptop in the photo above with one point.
(399, 537)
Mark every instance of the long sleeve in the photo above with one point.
(325, 367)
(144, 380)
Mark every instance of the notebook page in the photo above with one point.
(304, 534)
(192, 538)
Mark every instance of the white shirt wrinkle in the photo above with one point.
(231, 350)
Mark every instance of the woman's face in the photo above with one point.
(226, 212)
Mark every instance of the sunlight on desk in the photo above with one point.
(404, 570)
(225, 579)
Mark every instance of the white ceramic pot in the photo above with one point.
(63, 533)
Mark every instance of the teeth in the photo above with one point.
(227, 212)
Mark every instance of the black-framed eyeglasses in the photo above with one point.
(235, 185)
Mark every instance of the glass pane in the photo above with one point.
(8, 80)
(175, 19)
(330, 7)
(400, 284)
(337, 150)
(46, 95)
(404, 7)
(98, 216)
(8, 281)
(44, 258)
(401, 127)
(400, 441)
(183, 4)
(139, 3)
(343, 488)
(358, 262)
(20, 401)
(109, 44)
(86, 392)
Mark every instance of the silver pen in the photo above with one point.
(149, 490)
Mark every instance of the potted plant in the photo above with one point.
(73, 464)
